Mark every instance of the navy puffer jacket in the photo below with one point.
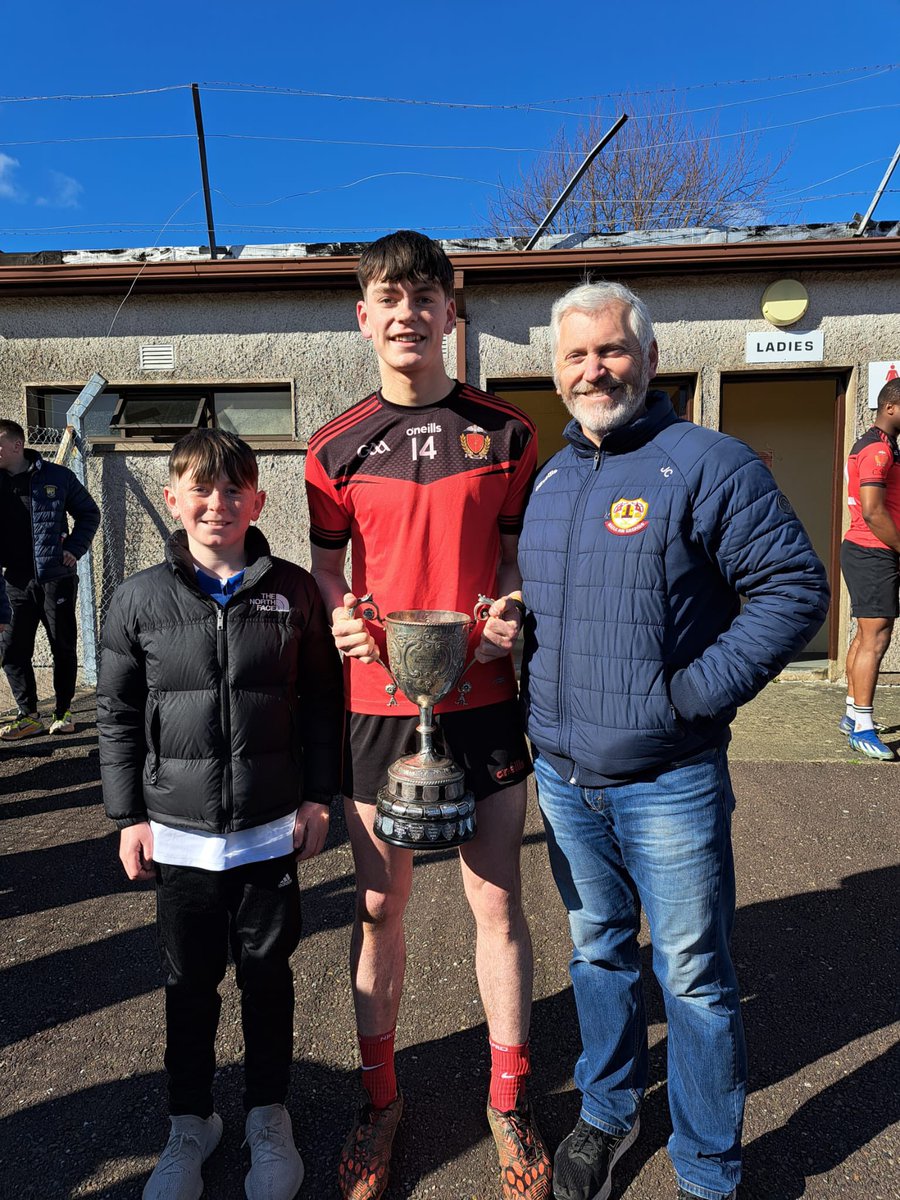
(634, 560)
(56, 495)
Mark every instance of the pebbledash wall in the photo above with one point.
(282, 321)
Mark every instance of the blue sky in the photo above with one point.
(550, 61)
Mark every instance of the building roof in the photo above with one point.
(562, 257)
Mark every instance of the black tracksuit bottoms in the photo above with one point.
(256, 910)
(51, 604)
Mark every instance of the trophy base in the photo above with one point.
(425, 805)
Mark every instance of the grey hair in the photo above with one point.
(594, 297)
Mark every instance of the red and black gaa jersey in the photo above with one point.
(874, 462)
(422, 495)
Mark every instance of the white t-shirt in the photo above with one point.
(222, 851)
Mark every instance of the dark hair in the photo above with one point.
(405, 255)
(889, 394)
(210, 453)
(12, 428)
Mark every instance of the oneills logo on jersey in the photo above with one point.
(627, 516)
(475, 442)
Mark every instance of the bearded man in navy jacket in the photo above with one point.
(640, 539)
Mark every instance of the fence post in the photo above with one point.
(87, 591)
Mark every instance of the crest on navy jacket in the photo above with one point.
(627, 516)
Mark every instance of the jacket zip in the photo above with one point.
(574, 527)
(225, 706)
(224, 687)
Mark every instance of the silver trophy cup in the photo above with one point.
(424, 804)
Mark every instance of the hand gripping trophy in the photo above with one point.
(424, 804)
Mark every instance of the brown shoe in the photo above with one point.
(366, 1156)
(525, 1169)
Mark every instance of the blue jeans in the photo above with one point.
(663, 843)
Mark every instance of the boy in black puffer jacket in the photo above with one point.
(220, 711)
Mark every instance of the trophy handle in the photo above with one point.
(480, 613)
(482, 609)
(369, 611)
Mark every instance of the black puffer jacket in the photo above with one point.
(216, 718)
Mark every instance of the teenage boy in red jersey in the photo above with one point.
(870, 560)
(426, 479)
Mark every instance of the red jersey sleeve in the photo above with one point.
(513, 510)
(874, 463)
(329, 523)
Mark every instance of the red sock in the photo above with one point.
(510, 1067)
(378, 1077)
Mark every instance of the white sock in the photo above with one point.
(850, 707)
(863, 718)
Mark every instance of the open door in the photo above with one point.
(795, 421)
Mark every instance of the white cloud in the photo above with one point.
(65, 193)
(9, 190)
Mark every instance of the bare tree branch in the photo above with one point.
(659, 172)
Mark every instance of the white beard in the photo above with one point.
(600, 419)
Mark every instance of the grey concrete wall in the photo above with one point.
(310, 340)
(701, 326)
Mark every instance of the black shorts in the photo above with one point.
(488, 743)
(872, 576)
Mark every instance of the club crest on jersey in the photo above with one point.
(476, 443)
(627, 516)
(50, 490)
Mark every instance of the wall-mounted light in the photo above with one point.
(784, 302)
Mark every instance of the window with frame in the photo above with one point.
(164, 412)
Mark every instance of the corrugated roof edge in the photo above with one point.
(494, 245)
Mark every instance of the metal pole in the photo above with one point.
(87, 593)
(887, 175)
(201, 143)
(564, 194)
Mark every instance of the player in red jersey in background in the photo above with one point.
(870, 564)
(426, 479)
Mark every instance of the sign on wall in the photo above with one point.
(879, 374)
(776, 346)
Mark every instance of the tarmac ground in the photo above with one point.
(816, 940)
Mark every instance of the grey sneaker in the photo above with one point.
(276, 1169)
(177, 1174)
(25, 725)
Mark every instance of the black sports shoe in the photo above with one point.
(683, 1195)
(582, 1168)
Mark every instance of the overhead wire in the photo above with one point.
(858, 74)
(261, 137)
(864, 71)
(193, 226)
(224, 85)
